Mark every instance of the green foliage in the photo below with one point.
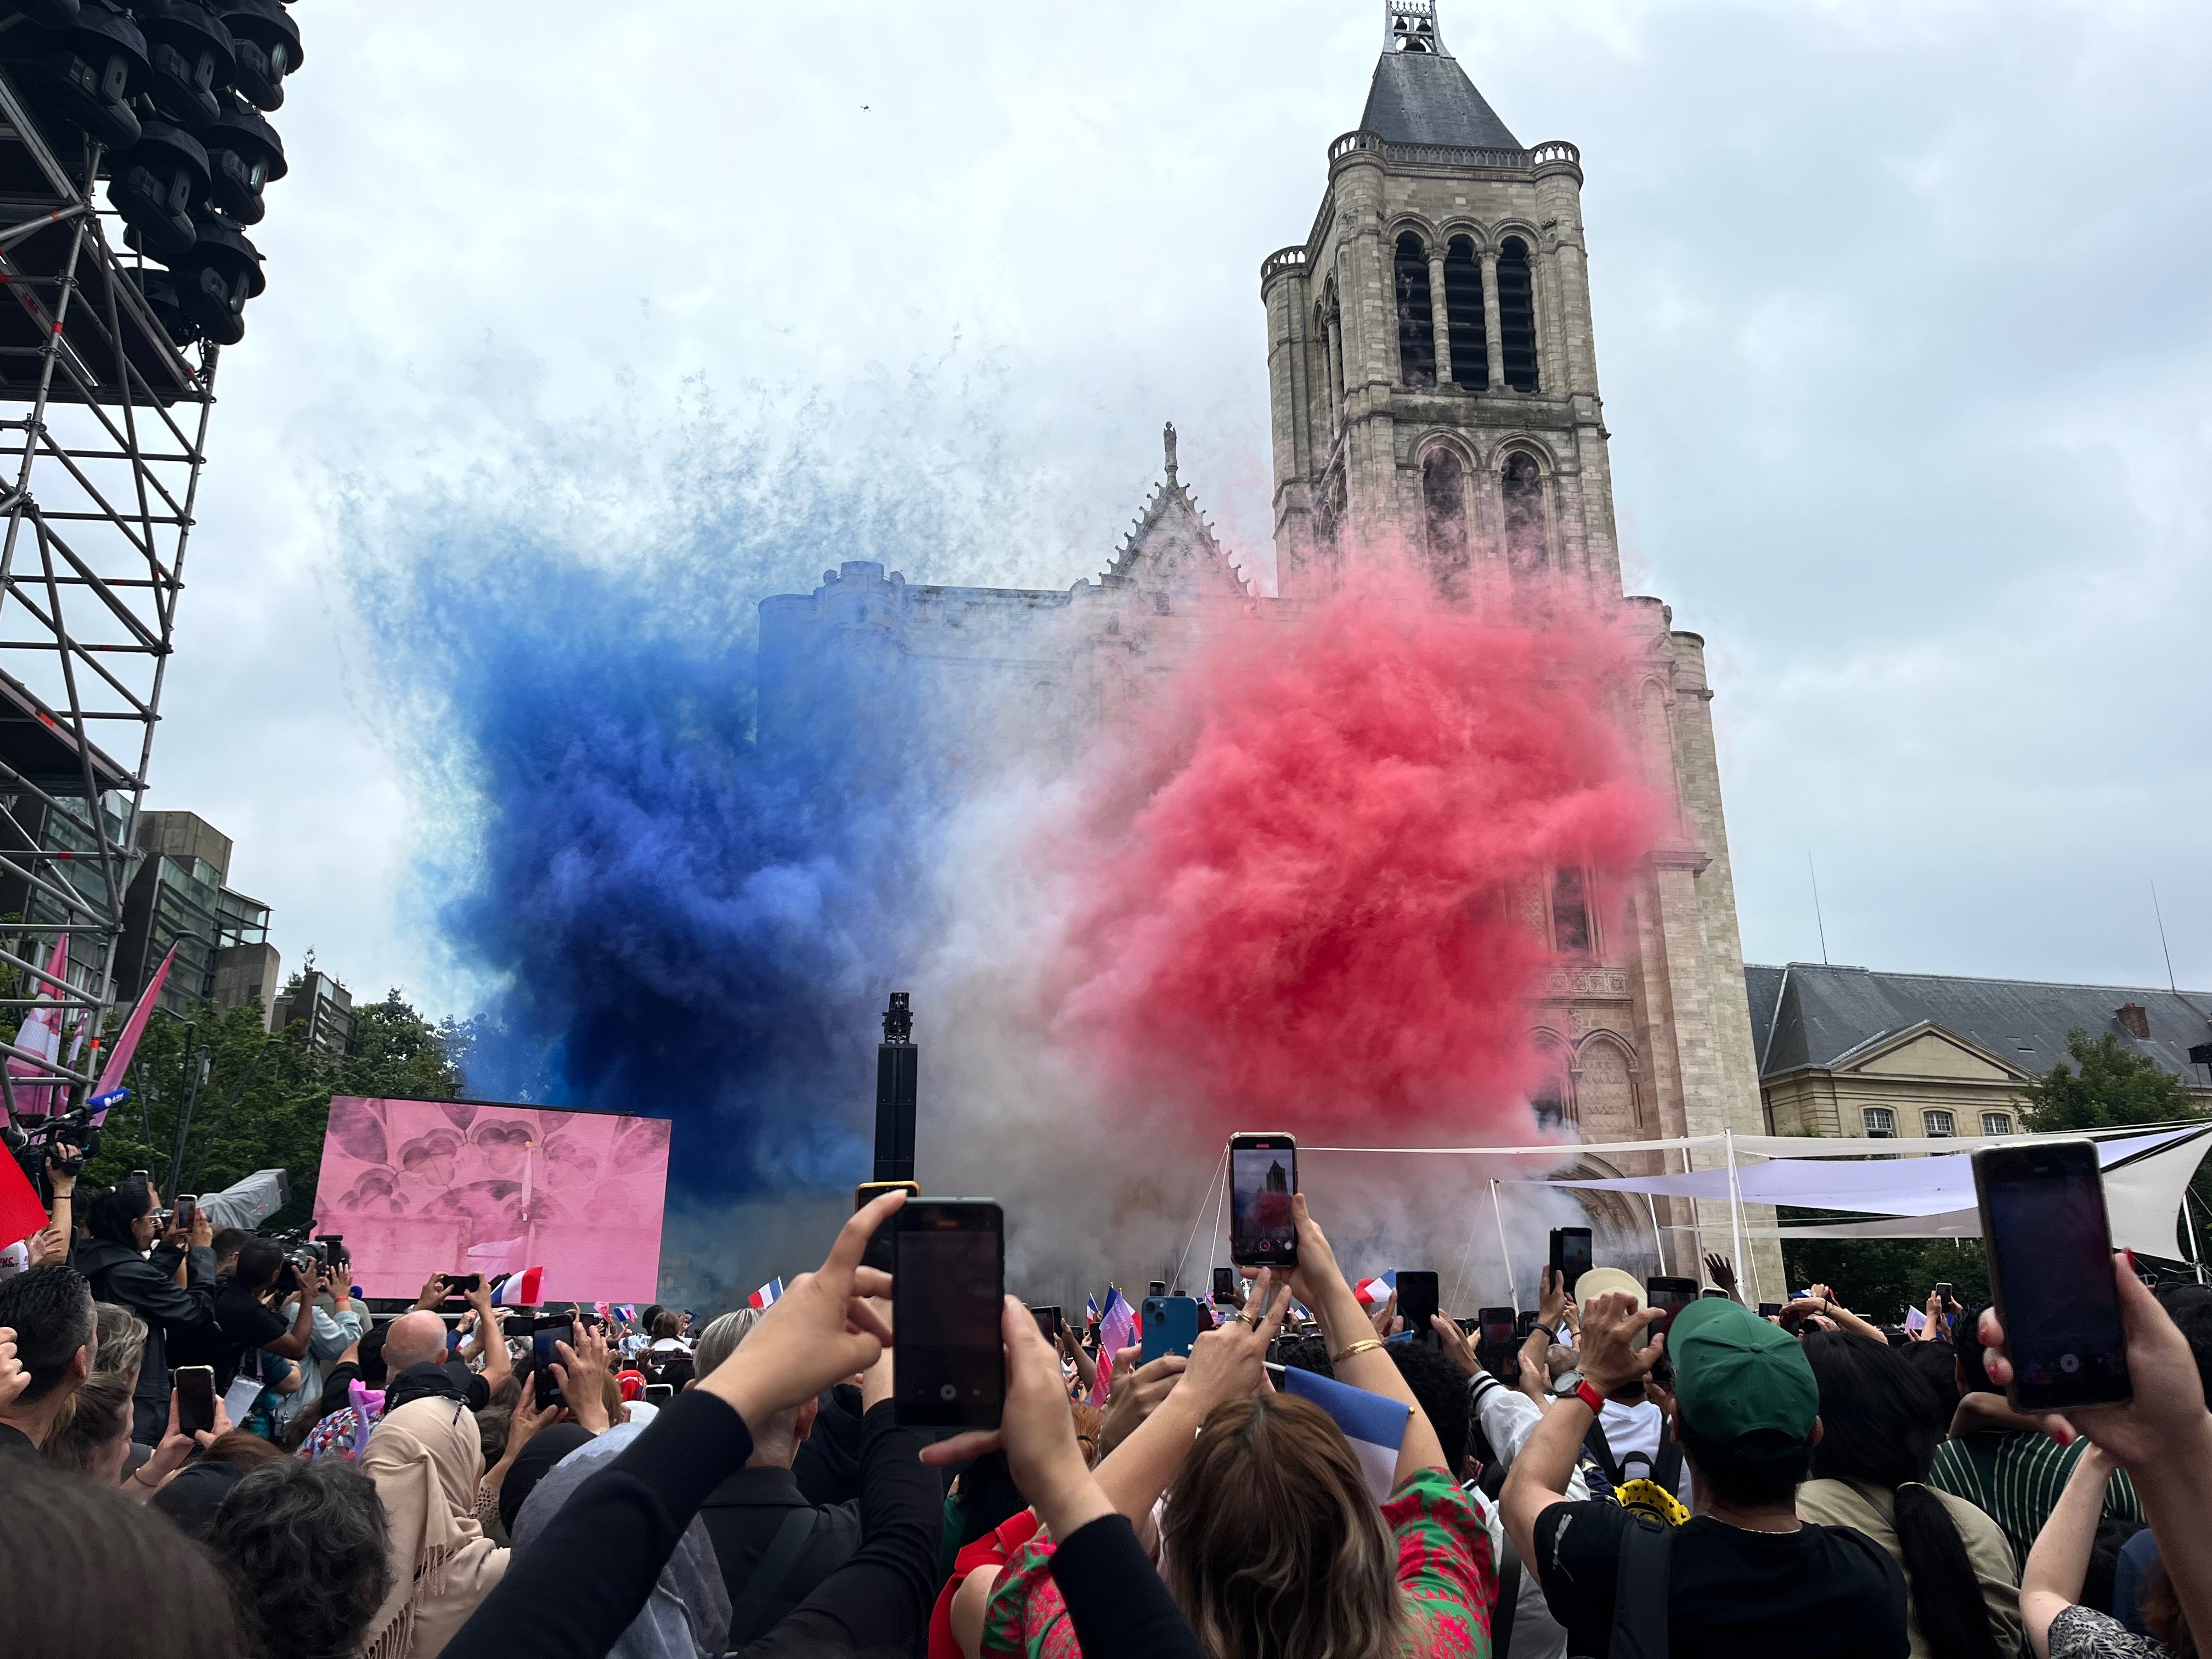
(261, 1102)
(1879, 1279)
(2113, 1089)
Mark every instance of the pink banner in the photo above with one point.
(419, 1186)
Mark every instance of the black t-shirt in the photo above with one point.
(247, 1323)
(1816, 1592)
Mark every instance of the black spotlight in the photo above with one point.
(194, 60)
(244, 152)
(46, 14)
(89, 71)
(268, 43)
(217, 277)
(160, 288)
(155, 184)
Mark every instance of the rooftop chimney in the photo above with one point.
(2134, 1017)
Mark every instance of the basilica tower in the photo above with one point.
(1432, 375)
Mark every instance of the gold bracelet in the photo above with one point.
(1360, 1346)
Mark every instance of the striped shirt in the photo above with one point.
(2014, 1476)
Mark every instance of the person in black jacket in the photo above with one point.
(579, 1586)
(173, 1290)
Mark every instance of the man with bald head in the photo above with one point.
(418, 1365)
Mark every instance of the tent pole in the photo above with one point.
(1735, 1198)
(1504, 1250)
(1658, 1243)
(2190, 1221)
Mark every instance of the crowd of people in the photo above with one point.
(460, 1479)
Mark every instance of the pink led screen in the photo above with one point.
(419, 1186)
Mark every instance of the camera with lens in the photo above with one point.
(32, 1144)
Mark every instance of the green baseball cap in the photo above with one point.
(1739, 1379)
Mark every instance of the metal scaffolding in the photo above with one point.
(98, 475)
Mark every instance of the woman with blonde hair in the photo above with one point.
(427, 1461)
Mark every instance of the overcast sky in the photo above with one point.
(1901, 315)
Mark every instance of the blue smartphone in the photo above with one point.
(1170, 1326)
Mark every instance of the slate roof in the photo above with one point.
(1812, 1014)
(1426, 97)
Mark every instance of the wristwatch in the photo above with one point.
(1591, 1398)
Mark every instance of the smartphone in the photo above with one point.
(1670, 1297)
(1156, 1287)
(1170, 1326)
(1263, 1173)
(195, 1386)
(878, 1253)
(1571, 1254)
(1717, 1294)
(1497, 1326)
(1048, 1321)
(188, 1210)
(1769, 1309)
(543, 1355)
(949, 1284)
(462, 1284)
(1523, 1325)
(660, 1394)
(334, 1245)
(2050, 1245)
(1417, 1300)
(1942, 1290)
(1225, 1284)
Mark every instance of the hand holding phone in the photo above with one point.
(1571, 1254)
(1170, 1326)
(878, 1253)
(1670, 1296)
(1418, 1302)
(2050, 1246)
(195, 1386)
(1263, 1175)
(949, 1292)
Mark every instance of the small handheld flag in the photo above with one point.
(1374, 1424)
(767, 1295)
(1117, 1328)
(522, 1290)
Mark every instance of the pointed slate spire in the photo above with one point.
(1419, 94)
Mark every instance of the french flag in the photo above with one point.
(1374, 1424)
(1117, 1328)
(628, 1312)
(522, 1290)
(767, 1295)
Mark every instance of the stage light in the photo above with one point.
(268, 45)
(244, 152)
(193, 57)
(46, 14)
(88, 71)
(156, 185)
(217, 277)
(160, 288)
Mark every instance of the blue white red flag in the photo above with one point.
(1090, 1309)
(767, 1295)
(522, 1290)
(628, 1312)
(1117, 1329)
(1374, 1424)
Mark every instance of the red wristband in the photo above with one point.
(1591, 1398)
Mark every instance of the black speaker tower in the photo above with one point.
(897, 1072)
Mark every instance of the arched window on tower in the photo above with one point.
(1570, 913)
(1417, 327)
(1522, 484)
(1517, 315)
(1470, 347)
(1331, 330)
(1552, 1098)
(1444, 500)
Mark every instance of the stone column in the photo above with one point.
(1440, 311)
(1491, 335)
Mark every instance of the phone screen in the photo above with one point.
(1670, 1297)
(1225, 1284)
(949, 1286)
(195, 1398)
(462, 1284)
(1497, 1326)
(1570, 1254)
(1048, 1321)
(1263, 1174)
(1768, 1309)
(188, 1205)
(1417, 1301)
(2051, 1258)
(660, 1394)
(1525, 1324)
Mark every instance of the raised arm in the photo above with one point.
(1611, 1359)
(2051, 1582)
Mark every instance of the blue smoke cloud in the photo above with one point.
(675, 923)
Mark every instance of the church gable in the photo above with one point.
(1172, 548)
(1928, 1051)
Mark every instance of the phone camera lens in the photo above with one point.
(2069, 1363)
(949, 1393)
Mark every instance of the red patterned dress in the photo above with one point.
(1446, 1581)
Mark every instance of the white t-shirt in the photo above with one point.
(1641, 1430)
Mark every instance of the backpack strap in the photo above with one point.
(1641, 1583)
(1600, 1447)
(1668, 1471)
(783, 1552)
(1509, 1598)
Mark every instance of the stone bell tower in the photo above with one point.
(1432, 375)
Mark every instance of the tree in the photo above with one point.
(2113, 1089)
(260, 1101)
(1879, 1279)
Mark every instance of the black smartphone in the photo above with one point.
(878, 1253)
(1417, 1301)
(1048, 1321)
(195, 1386)
(1497, 1326)
(188, 1209)
(548, 1330)
(1571, 1254)
(2050, 1245)
(1717, 1294)
(660, 1394)
(462, 1284)
(1225, 1284)
(1942, 1289)
(1670, 1297)
(1525, 1324)
(949, 1285)
(1769, 1309)
(334, 1245)
(1263, 1173)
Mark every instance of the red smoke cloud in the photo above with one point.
(1298, 879)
